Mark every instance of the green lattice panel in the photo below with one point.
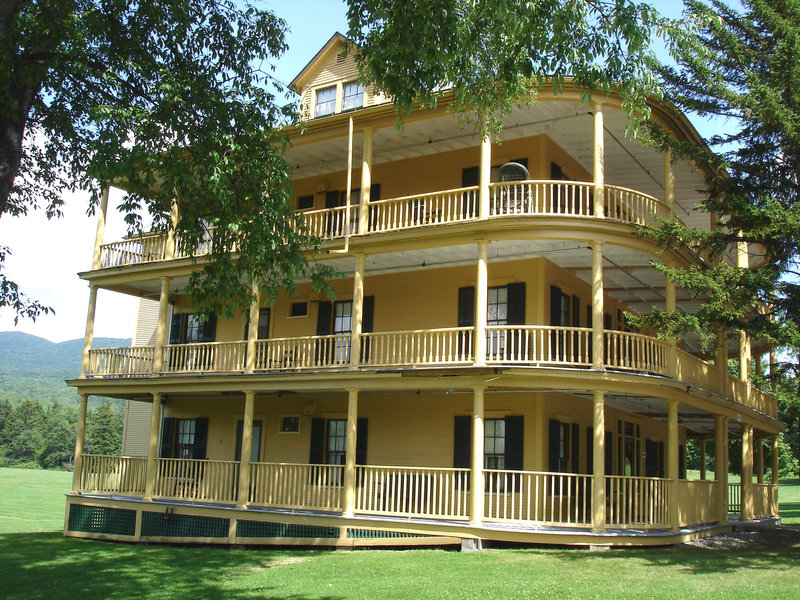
(183, 526)
(372, 534)
(101, 519)
(262, 529)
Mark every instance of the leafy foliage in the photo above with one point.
(495, 53)
(171, 99)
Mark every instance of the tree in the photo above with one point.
(58, 438)
(494, 54)
(743, 67)
(104, 430)
(173, 98)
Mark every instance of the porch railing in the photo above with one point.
(204, 357)
(129, 361)
(194, 479)
(331, 223)
(637, 501)
(141, 249)
(436, 208)
(413, 491)
(534, 344)
(297, 486)
(418, 347)
(734, 497)
(547, 498)
(696, 501)
(312, 352)
(764, 499)
(113, 474)
(635, 352)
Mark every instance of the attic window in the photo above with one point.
(325, 102)
(353, 93)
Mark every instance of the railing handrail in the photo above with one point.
(197, 344)
(407, 331)
(470, 188)
(402, 468)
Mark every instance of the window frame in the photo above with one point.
(359, 94)
(325, 102)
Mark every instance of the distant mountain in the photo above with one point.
(35, 368)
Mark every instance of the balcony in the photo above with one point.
(506, 200)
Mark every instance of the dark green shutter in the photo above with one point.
(516, 303)
(237, 452)
(367, 317)
(553, 446)
(661, 468)
(462, 442)
(589, 450)
(200, 437)
(609, 458)
(167, 437)
(515, 433)
(176, 328)
(681, 462)
(316, 455)
(576, 448)
(466, 306)
(361, 441)
(324, 318)
(555, 306)
(375, 192)
(209, 328)
(576, 311)
(470, 176)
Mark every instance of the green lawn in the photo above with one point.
(40, 564)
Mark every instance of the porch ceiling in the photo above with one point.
(628, 163)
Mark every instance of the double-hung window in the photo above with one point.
(353, 95)
(496, 314)
(494, 444)
(325, 103)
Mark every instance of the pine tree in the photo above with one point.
(104, 430)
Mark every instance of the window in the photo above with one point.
(305, 202)
(290, 425)
(502, 442)
(329, 441)
(263, 324)
(342, 323)
(629, 439)
(335, 318)
(353, 95)
(325, 103)
(564, 447)
(336, 442)
(496, 314)
(191, 328)
(255, 447)
(494, 444)
(183, 438)
(298, 309)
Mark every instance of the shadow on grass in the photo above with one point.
(49, 566)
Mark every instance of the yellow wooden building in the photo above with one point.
(474, 378)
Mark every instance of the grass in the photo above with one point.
(41, 564)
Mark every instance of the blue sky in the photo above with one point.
(48, 254)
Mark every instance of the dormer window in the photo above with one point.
(325, 102)
(353, 95)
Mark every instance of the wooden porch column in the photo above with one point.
(721, 359)
(485, 177)
(669, 185)
(743, 262)
(703, 459)
(89, 334)
(598, 161)
(759, 460)
(670, 306)
(247, 448)
(350, 454)
(481, 303)
(597, 305)
(77, 463)
(102, 209)
(358, 312)
(746, 512)
(174, 217)
(152, 448)
(772, 362)
(476, 465)
(599, 464)
(721, 466)
(775, 475)
(672, 462)
(162, 327)
(252, 329)
(366, 181)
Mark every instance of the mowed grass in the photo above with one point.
(44, 565)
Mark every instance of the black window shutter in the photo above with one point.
(555, 171)
(375, 192)
(514, 442)
(576, 311)
(200, 437)
(176, 328)
(361, 441)
(576, 448)
(554, 442)
(237, 452)
(324, 318)
(661, 459)
(555, 306)
(681, 462)
(462, 443)
(609, 453)
(470, 176)
(516, 303)
(589, 450)
(167, 437)
(466, 306)
(608, 321)
(332, 199)
(316, 454)
(210, 328)
(366, 324)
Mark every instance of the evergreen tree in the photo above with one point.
(58, 440)
(23, 433)
(103, 430)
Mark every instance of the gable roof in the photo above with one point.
(333, 45)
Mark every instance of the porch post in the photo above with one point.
(746, 512)
(672, 463)
(174, 217)
(670, 306)
(721, 360)
(775, 475)
(703, 459)
(598, 160)
(759, 460)
(350, 454)
(599, 464)
(252, 329)
(721, 466)
(89, 334)
(598, 359)
(247, 448)
(102, 209)
(358, 312)
(669, 184)
(481, 302)
(476, 465)
(77, 463)
(161, 328)
(366, 181)
(743, 262)
(485, 176)
(152, 448)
